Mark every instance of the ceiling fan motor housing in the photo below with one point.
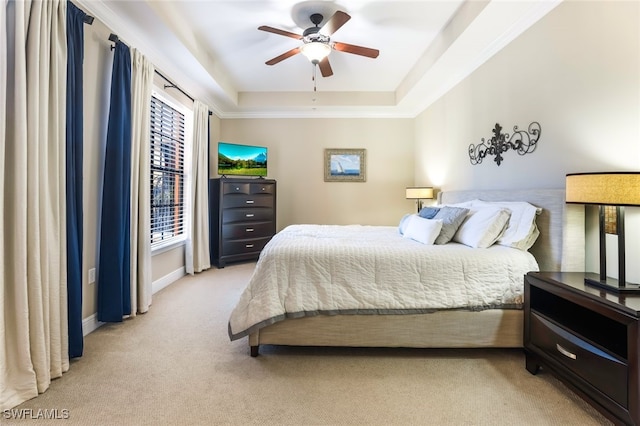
(312, 34)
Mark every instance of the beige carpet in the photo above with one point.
(176, 366)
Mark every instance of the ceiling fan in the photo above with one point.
(317, 42)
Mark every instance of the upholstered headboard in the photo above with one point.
(561, 244)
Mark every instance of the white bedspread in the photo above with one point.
(329, 269)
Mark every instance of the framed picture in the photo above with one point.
(345, 165)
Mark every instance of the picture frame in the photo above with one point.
(345, 165)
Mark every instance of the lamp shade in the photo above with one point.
(609, 188)
(315, 51)
(419, 192)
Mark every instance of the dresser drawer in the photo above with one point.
(242, 200)
(236, 188)
(232, 247)
(247, 215)
(251, 230)
(262, 188)
(602, 370)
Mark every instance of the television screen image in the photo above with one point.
(241, 160)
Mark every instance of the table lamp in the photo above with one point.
(617, 189)
(419, 193)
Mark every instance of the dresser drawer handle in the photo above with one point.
(249, 230)
(249, 215)
(249, 201)
(565, 352)
(249, 245)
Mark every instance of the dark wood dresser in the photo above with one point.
(586, 337)
(243, 218)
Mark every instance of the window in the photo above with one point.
(168, 176)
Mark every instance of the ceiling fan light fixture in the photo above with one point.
(315, 51)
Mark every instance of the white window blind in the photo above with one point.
(167, 173)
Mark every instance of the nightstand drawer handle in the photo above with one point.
(249, 245)
(565, 352)
(249, 201)
(249, 215)
(248, 229)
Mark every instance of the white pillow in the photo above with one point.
(423, 230)
(483, 226)
(403, 223)
(521, 231)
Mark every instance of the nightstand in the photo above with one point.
(587, 338)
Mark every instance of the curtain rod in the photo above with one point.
(114, 38)
(88, 19)
(171, 85)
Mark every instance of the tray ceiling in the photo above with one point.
(214, 51)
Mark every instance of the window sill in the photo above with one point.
(167, 247)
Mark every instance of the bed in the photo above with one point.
(273, 310)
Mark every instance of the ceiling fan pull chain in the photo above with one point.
(315, 67)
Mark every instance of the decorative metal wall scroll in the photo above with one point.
(523, 142)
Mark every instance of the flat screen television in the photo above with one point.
(241, 160)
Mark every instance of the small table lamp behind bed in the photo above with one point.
(419, 193)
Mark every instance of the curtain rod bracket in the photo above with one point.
(113, 38)
(88, 19)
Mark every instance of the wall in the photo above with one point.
(168, 264)
(98, 60)
(296, 161)
(577, 73)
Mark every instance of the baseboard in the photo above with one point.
(161, 283)
(91, 323)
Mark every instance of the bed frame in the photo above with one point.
(560, 246)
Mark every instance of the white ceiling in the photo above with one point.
(214, 51)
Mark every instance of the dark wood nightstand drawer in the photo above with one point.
(247, 230)
(586, 337)
(233, 247)
(598, 367)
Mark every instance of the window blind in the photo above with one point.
(167, 173)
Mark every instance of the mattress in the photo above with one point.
(308, 270)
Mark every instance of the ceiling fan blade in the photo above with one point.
(325, 67)
(357, 50)
(284, 56)
(334, 23)
(280, 32)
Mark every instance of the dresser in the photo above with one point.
(586, 337)
(242, 218)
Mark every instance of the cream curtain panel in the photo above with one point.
(197, 246)
(142, 72)
(33, 312)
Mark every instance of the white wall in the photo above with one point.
(577, 73)
(296, 161)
